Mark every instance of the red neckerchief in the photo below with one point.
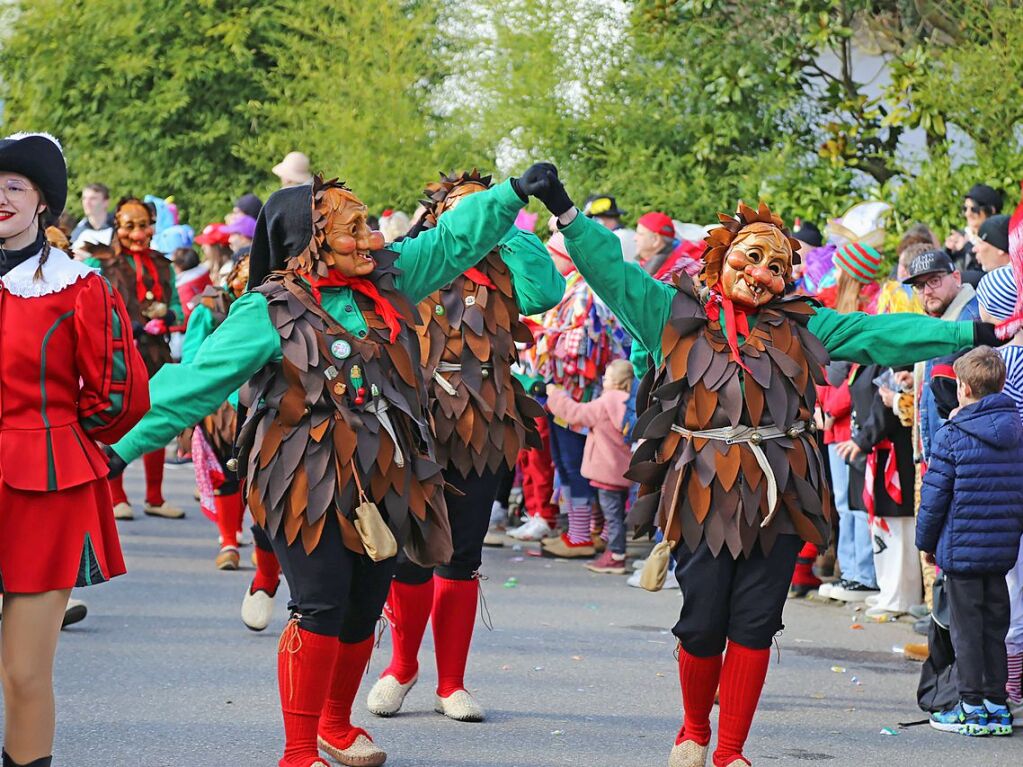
(383, 307)
(736, 321)
(145, 261)
(479, 278)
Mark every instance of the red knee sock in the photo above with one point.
(803, 574)
(742, 679)
(268, 572)
(407, 609)
(230, 511)
(153, 465)
(349, 668)
(302, 657)
(117, 494)
(454, 615)
(699, 679)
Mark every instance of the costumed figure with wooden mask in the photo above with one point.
(145, 280)
(481, 418)
(336, 447)
(729, 465)
(71, 378)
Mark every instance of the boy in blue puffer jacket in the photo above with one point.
(971, 518)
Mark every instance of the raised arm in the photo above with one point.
(185, 393)
(461, 238)
(641, 303)
(889, 339)
(538, 285)
(199, 328)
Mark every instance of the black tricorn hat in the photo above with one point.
(38, 157)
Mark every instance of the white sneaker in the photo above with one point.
(460, 706)
(637, 564)
(536, 529)
(872, 600)
(388, 694)
(881, 614)
(257, 609)
(671, 582)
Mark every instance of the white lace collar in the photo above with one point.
(59, 272)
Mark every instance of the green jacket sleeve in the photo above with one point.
(200, 325)
(538, 284)
(174, 304)
(641, 303)
(180, 395)
(888, 339)
(461, 238)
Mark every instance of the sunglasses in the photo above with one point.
(970, 209)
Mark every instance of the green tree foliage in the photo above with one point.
(682, 105)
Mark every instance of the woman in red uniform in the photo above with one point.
(69, 376)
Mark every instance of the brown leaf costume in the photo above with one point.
(305, 435)
(482, 417)
(719, 490)
(121, 274)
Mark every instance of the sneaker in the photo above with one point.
(1016, 709)
(638, 564)
(257, 609)
(608, 564)
(562, 548)
(999, 719)
(871, 601)
(387, 695)
(671, 582)
(958, 720)
(535, 529)
(123, 511)
(824, 590)
(853, 592)
(245, 537)
(75, 612)
(688, 753)
(164, 510)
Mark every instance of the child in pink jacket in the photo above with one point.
(606, 456)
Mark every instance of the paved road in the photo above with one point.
(577, 671)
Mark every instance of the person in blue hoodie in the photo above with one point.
(971, 517)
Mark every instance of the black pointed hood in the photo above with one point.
(283, 230)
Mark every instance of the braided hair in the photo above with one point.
(45, 255)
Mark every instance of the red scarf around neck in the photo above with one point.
(736, 321)
(383, 307)
(143, 261)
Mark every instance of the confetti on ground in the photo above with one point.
(505, 667)
(857, 627)
(518, 559)
(889, 731)
(537, 668)
(534, 553)
(838, 669)
(562, 732)
(511, 583)
(855, 680)
(577, 657)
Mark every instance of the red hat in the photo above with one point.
(658, 223)
(214, 234)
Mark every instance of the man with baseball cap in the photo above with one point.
(992, 246)
(603, 208)
(943, 294)
(655, 240)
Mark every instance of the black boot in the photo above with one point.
(43, 761)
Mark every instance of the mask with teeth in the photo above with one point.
(749, 257)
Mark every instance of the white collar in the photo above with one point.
(59, 272)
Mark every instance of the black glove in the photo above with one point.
(115, 462)
(541, 181)
(984, 335)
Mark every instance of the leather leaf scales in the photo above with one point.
(488, 418)
(307, 435)
(719, 490)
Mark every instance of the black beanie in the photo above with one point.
(995, 231)
(985, 196)
(284, 229)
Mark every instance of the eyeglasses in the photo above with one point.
(15, 190)
(970, 209)
(931, 282)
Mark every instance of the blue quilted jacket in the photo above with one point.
(971, 503)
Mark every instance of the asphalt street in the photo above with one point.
(578, 670)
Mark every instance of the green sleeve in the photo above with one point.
(538, 284)
(95, 263)
(641, 303)
(180, 395)
(200, 325)
(888, 339)
(640, 359)
(175, 301)
(461, 238)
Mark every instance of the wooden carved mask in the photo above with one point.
(134, 226)
(348, 240)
